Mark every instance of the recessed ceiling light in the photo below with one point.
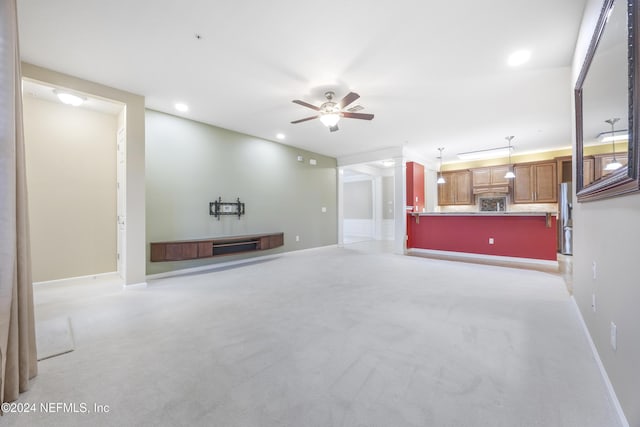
(280, 136)
(519, 57)
(69, 98)
(182, 107)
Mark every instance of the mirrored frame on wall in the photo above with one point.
(606, 89)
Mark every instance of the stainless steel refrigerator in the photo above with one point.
(565, 219)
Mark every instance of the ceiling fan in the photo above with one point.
(331, 111)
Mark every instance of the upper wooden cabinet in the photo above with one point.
(535, 182)
(588, 171)
(457, 188)
(490, 179)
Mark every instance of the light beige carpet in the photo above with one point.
(54, 337)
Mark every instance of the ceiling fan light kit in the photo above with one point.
(330, 119)
(330, 111)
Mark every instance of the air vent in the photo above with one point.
(355, 108)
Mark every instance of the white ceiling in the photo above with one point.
(434, 73)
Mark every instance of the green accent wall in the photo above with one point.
(189, 164)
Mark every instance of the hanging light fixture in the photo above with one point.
(615, 164)
(440, 177)
(509, 174)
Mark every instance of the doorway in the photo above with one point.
(368, 202)
(74, 165)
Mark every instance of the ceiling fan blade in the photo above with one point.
(306, 104)
(305, 119)
(334, 128)
(361, 116)
(348, 99)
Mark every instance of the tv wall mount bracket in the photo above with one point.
(219, 208)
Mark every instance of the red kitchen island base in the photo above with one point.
(518, 235)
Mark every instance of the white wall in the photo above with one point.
(607, 232)
(358, 209)
(70, 155)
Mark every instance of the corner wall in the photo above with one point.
(190, 164)
(607, 232)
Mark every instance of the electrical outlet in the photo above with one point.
(614, 338)
(324, 209)
(297, 238)
(491, 241)
(595, 270)
(593, 302)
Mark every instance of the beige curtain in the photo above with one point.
(17, 330)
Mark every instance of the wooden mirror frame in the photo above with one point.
(625, 180)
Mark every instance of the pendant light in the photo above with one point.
(440, 177)
(509, 174)
(615, 164)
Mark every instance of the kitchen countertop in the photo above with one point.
(501, 213)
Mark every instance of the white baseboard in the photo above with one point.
(134, 286)
(603, 372)
(483, 256)
(80, 279)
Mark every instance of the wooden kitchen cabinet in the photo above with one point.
(588, 171)
(456, 190)
(535, 182)
(490, 179)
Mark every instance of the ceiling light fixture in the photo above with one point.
(183, 108)
(509, 174)
(440, 177)
(519, 57)
(485, 154)
(619, 137)
(69, 98)
(280, 136)
(388, 163)
(615, 164)
(329, 111)
(330, 119)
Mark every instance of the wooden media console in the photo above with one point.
(216, 246)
